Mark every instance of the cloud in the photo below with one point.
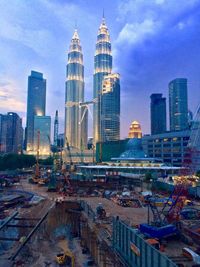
(159, 41)
(10, 99)
(36, 39)
(136, 32)
(142, 19)
(153, 41)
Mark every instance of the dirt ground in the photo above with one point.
(45, 251)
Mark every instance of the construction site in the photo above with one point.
(48, 218)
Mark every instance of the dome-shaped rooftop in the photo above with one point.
(133, 149)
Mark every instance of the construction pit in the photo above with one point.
(57, 233)
(72, 224)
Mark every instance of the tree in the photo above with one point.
(13, 161)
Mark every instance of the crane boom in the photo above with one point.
(37, 168)
(191, 162)
(69, 151)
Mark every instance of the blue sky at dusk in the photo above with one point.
(153, 42)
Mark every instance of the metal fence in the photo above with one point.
(134, 250)
(87, 209)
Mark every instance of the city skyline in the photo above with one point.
(155, 39)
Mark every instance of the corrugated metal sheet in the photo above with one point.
(134, 250)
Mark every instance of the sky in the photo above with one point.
(153, 42)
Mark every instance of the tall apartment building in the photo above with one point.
(11, 133)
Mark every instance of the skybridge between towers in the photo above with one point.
(86, 104)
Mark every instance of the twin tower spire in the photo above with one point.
(76, 112)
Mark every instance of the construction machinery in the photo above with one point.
(166, 220)
(101, 213)
(192, 155)
(52, 186)
(71, 164)
(66, 257)
(67, 188)
(36, 175)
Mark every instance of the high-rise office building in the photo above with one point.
(102, 67)
(42, 133)
(158, 114)
(110, 108)
(36, 103)
(178, 104)
(11, 133)
(55, 133)
(75, 114)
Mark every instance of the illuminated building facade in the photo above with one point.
(178, 104)
(36, 104)
(135, 130)
(171, 147)
(158, 114)
(102, 67)
(75, 116)
(42, 124)
(110, 108)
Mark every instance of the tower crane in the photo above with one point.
(169, 216)
(192, 155)
(71, 168)
(191, 164)
(67, 188)
(37, 167)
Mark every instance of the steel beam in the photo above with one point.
(9, 238)
(32, 232)
(8, 219)
(20, 225)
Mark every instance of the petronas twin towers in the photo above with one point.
(106, 94)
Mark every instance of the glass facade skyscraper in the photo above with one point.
(158, 114)
(36, 104)
(102, 67)
(178, 104)
(75, 123)
(42, 124)
(110, 108)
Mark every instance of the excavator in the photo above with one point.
(71, 166)
(66, 257)
(36, 176)
(66, 186)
